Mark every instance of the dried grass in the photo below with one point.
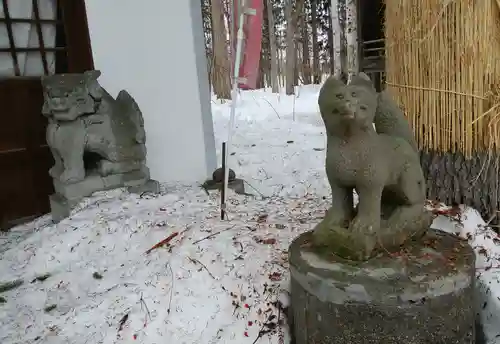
(443, 67)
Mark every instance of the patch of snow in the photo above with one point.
(216, 281)
(468, 224)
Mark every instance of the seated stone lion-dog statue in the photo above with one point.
(382, 165)
(84, 117)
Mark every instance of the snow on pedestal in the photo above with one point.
(424, 295)
(467, 224)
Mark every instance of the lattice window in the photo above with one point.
(30, 37)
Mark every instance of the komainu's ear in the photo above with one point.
(92, 74)
(361, 79)
(331, 86)
(364, 76)
(332, 83)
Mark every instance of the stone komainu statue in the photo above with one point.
(382, 165)
(343, 288)
(97, 142)
(84, 118)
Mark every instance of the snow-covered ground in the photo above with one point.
(89, 279)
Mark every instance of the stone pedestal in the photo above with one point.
(67, 197)
(423, 295)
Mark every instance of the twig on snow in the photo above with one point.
(163, 242)
(260, 193)
(148, 313)
(171, 287)
(213, 234)
(122, 322)
(272, 107)
(202, 186)
(126, 285)
(6, 286)
(265, 328)
(196, 261)
(491, 218)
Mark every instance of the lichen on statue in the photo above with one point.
(382, 166)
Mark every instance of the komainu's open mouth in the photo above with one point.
(348, 114)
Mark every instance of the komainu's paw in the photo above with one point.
(364, 226)
(72, 175)
(334, 217)
(365, 230)
(113, 154)
(341, 242)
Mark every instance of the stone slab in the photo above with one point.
(60, 207)
(237, 185)
(95, 182)
(67, 196)
(423, 295)
(151, 186)
(107, 167)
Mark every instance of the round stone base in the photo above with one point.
(422, 295)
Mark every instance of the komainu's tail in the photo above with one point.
(390, 120)
(132, 110)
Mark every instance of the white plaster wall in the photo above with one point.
(155, 50)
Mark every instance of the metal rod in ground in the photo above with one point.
(234, 93)
(223, 190)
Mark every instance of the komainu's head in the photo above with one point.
(352, 105)
(68, 96)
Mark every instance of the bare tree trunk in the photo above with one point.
(290, 48)
(207, 33)
(337, 37)
(281, 67)
(262, 73)
(226, 9)
(221, 77)
(291, 16)
(331, 50)
(272, 46)
(351, 33)
(265, 55)
(306, 60)
(315, 47)
(298, 62)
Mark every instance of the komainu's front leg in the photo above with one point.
(337, 217)
(341, 211)
(366, 224)
(56, 170)
(69, 143)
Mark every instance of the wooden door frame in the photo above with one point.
(75, 52)
(73, 18)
